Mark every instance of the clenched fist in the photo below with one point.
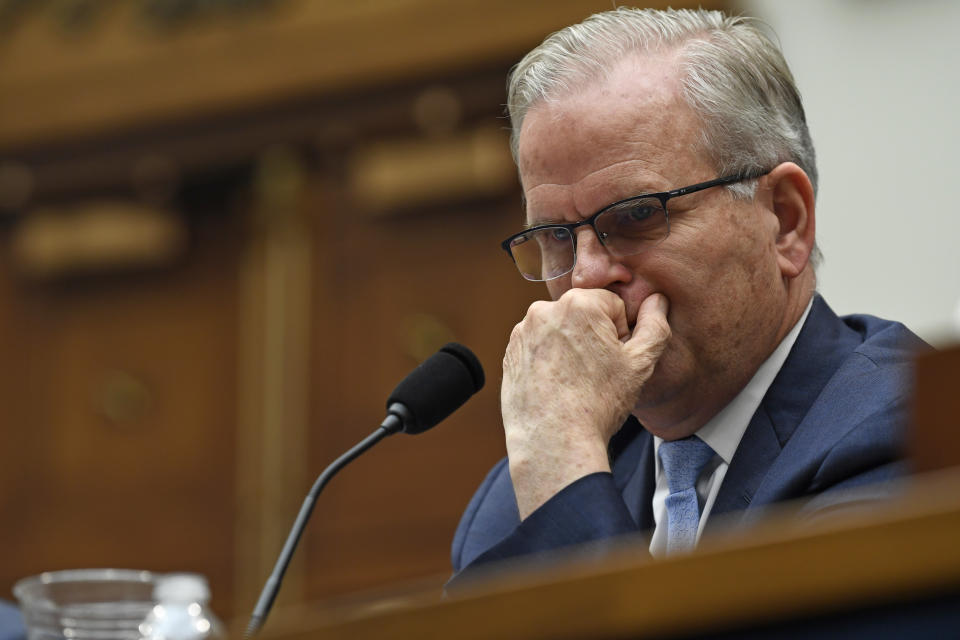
(572, 373)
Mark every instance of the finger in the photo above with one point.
(608, 303)
(618, 313)
(652, 331)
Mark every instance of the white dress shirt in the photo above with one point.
(723, 433)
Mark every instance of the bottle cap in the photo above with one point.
(181, 587)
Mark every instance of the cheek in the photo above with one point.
(736, 291)
(712, 276)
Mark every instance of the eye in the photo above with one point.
(560, 234)
(640, 220)
(640, 212)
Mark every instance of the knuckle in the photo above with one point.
(578, 298)
(538, 308)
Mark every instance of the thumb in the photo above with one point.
(652, 330)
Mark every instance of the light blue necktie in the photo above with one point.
(682, 461)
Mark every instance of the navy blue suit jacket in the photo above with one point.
(832, 420)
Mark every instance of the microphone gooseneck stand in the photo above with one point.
(391, 425)
(431, 392)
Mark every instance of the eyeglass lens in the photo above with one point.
(625, 229)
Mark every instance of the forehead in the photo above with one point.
(607, 139)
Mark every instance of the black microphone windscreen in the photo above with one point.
(438, 386)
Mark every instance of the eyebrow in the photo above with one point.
(530, 225)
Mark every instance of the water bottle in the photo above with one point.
(181, 611)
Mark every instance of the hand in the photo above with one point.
(572, 373)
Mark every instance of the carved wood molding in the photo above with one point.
(119, 75)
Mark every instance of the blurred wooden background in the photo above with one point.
(227, 229)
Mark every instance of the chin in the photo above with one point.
(658, 391)
(665, 385)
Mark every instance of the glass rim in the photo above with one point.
(26, 588)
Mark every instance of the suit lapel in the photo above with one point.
(758, 448)
(631, 452)
(821, 346)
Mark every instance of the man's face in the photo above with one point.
(634, 134)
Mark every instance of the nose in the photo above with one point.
(596, 267)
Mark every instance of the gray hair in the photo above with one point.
(733, 76)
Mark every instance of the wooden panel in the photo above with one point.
(936, 411)
(118, 410)
(120, 74)
(393, 286)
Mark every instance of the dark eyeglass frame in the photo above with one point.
(662, 196)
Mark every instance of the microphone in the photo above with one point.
(429, 393)
(434, 390)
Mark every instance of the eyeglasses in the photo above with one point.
(625, 228)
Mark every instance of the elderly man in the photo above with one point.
(685, 367)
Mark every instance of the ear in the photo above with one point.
(793, 204)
